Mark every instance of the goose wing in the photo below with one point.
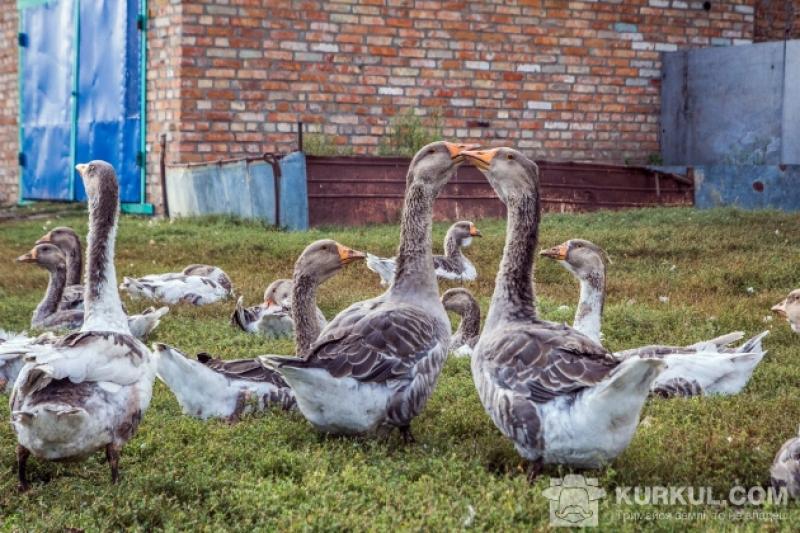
(96, 356)
(377, 346)
(246, 369)
(544, 362)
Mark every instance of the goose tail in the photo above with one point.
(717, 343)
(631, 381)
(382, 267)
(753, 344)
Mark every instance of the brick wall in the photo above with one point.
(564, 80)
(9, 143)
(163, 87)
(777, 20)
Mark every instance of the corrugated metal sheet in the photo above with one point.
(245, 188)
(362, 190)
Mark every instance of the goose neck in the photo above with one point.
(414, 274)
(103, 308)
(52, 296)
(514, 296)
(589, 314)
(74, 264)
(304, 311)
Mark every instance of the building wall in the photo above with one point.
(563, 79)
(777, 20)
(9, 105)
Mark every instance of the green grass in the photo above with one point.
(273, 471)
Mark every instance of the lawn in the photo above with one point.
(721, 270)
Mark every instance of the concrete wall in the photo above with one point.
(734, 106)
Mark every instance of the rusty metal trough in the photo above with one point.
(363, 190)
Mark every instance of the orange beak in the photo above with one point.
(48, 237)
(457, 149)
(559, 253)
(348, 255)
(30, 257)
(780, 309)
(474, 232)
(269, 302)
(481, 158)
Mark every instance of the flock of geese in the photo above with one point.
(552, 389)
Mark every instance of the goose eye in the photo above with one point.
(509, 156)
(432, 151)
(91, 168)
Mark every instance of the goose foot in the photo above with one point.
(405, 433)
(534, 469)
(22, 463)
(112, 455)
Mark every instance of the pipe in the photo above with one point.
(162, 167)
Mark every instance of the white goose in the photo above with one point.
(560, 397)
(453, 265)
(376, 363)
(89, 390)
(703, 368)
(272, 318)
(196, 285)
(212, 387)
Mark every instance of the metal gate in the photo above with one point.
(81, 95)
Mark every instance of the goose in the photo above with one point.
(87, 391)
(70, 245)
(453, 265)
(196, 285)
(213, 387)
(789, 309)
(785, 470)
(724, 370)
(49, 315)
(273, 318)
(377, 362)
(556, 394)
(461, 302)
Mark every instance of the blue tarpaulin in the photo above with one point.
(46, 77)
(102, 119)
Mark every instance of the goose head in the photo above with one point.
(99, 180)
(510, 172)
(324, 258)
(46, 255)
(462, 233)
(63, 237)
(435, 163)
(458, 301)
(789, 309)
(583, 258)
(278, 294)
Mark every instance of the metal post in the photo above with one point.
(299, 135)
